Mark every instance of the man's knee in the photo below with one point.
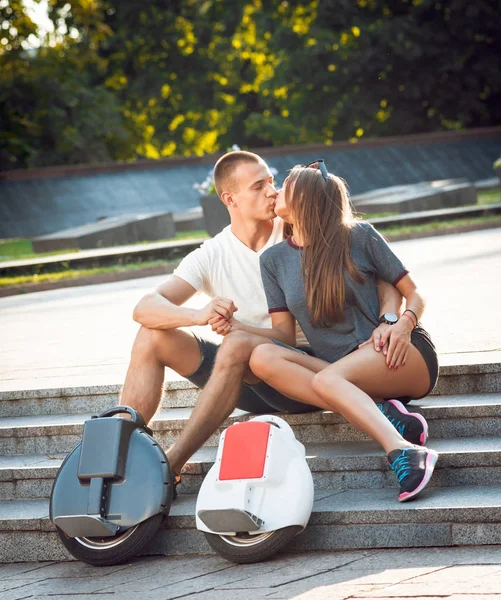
(236, 349)
(149, 342)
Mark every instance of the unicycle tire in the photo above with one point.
(103, 552)
(245, 548)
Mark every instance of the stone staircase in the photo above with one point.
(355, 493)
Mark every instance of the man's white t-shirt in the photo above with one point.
(224, 266)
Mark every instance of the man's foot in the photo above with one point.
(411, 426)
(176, 480)
(413, 468)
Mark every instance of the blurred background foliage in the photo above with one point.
(128, 79)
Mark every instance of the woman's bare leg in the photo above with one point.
(348, 384)
(346, 387)
(289, 372)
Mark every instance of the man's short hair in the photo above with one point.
(225, 168)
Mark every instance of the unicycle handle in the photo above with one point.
(116, 410)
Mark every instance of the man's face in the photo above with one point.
(255, 194)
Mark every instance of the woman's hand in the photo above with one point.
(223, 326)
(376, 338)
(398, 338)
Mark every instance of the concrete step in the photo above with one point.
(180, 393)
(467, 415)
(335, 466)
(350, 519)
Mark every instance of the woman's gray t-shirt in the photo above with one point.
(283, 284)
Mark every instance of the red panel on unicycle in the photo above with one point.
(244, 451)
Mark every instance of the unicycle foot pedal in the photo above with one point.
(230, 519)
(86, 526)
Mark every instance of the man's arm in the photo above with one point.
(161, 308)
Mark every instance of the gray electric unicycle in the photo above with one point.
(112, 491)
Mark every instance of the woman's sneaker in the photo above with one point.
(413, 468)
(411, 426)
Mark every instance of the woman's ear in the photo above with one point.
(227, 199)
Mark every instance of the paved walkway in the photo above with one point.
(426, 573)
(82, 336)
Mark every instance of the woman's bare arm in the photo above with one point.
(398, 335)
(390, 298)
(283, 327)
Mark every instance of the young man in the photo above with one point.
(226, 268)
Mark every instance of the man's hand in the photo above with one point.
(217, 307)
(377, 337)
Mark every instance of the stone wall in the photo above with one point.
(45, 201)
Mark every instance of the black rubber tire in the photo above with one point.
(133, 542)
(229, 548)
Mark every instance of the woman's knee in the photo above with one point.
(263, 360)
(324, 382)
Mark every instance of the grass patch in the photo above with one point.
(184, 235)
(379, 215)
(17, 249)
(78, 273)
(489, 197)
(434, 225)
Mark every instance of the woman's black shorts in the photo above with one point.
(422, 340)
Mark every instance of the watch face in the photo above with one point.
(390, 317)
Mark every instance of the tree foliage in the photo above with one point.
(122, 79)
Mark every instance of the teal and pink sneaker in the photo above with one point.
(411, 426)
(413, 468)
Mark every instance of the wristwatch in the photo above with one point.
(389, 318)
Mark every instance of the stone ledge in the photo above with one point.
(210, 159)
(89, 390)
(473, 504)
(348, 520)
(449, 417)
(466, 461)
(341, 456)
(184, 384)
(178, 249)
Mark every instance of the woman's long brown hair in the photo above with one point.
(322, 212)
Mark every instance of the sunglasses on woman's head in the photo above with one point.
(320, 165)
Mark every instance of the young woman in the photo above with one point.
(324, 277)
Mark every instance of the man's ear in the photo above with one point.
(228, 199)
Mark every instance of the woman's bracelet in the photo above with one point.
(409, 317)
(411, 311)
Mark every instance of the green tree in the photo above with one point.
(53, 108)
(125, 79)
(389, 68)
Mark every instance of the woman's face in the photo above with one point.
(282, 210)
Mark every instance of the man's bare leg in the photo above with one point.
(153, 350)
(219, 397)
